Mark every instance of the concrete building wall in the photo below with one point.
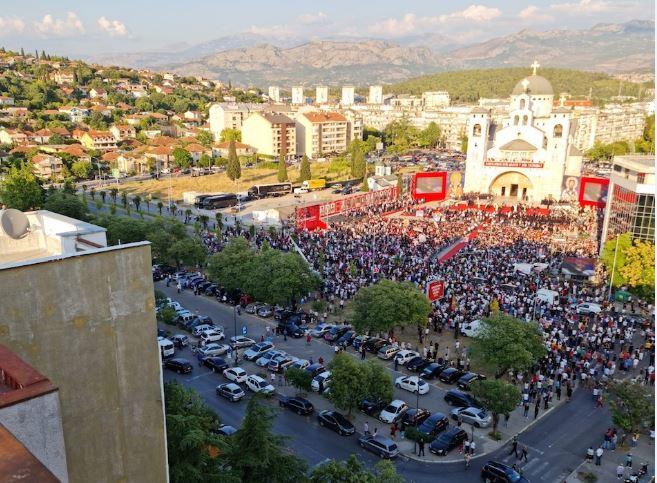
(257, 132)
(88, 321)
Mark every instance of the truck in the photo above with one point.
(267, 190)
(311, 185)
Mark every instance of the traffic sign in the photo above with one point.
(244, 330)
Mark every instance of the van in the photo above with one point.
(166, 347)
(185, 317)
(471, 329)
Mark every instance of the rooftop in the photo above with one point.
(19, 381)
(637, 162)
(17, 464)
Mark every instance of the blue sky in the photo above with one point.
(91, 27)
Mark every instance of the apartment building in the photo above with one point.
(348, 96)
(321, 95)
(618, 122)
(230, 115)
(271, 134)
(297, 96)
(274, 94)
(100, 140)
(376, 95)
(435, 99)
(321, 133)
(46, 166)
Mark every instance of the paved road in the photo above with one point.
(556, 443)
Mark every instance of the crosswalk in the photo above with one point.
(536, 467)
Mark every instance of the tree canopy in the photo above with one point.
(233, 169)
(634, 268)
(632, 405)
(496, 396)
(229, 134)
(66, 204)
(20, 189)
(282, 170)
(353, 471)
(304, 170)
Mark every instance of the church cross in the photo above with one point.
(562, 100)
(535, 66)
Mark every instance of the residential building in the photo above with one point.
(13, 137)
(321, 133)
(354, 125)
(321, 95)
(31, 434)
(618, 122)
(270, 134)
(230, 115)
(76, 114)
(132, 162)
(435, 99)
(347, 98)
(630, 200)
(6, 101)
(100, 140)
(221, 150)
(47, 166)
(95, 93)
(123, 131)
(406, 101)
(83, 313)
(297, 96)
(42, 136)
(63, 77)
(376, 95)
(274, 94)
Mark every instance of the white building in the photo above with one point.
(435, 99)
(321, 95)
(297, 95)
(274, 94)
(530, 153)
(230, 115)
(347, 96)
(376, 95)
(321, 133)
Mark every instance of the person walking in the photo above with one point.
(467, 458)
(598, 456)
(420, 446)
(396, 364)
(524, 452)
(393, 430)
(525, 411)
(362, 352)
(473, 446)
(589, 454)
(514, 446)
(466, 446)
(628, 460)
(366, 428)
(620, 472)
(506, 420)
(179, 287)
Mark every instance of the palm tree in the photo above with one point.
(114, 193)
(124, 199)
(92, 192)
(204, 219)
(103, 195)
(160, 205)
(220, 221)
(137, 201)
(172, 209)
(188, 214)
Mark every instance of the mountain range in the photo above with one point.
(253, 59)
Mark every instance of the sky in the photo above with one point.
(85, 28)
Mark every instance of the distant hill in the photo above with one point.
(470, 85)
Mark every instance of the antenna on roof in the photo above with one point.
(14, 223)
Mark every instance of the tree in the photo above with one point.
(205, 161)
(92, 192)
(614, 254)
(464, 143)
(387, 304)
(282, 170)
(230, 135)
(113, 194)
(299, 378)
(124, 199)
(219, 217)
(639, 268)
(81, 169)
(137, 201)
(205, 138)
(188, 215)
(304, 171)
(496, 396)
(632, 405)
(353, 470)
(256, 454)
(167, 315)
(378, 383)
(188, 251)
(233, 170)
(229, 268)
(429, 136)
(67, 205)
(358, 165)
(103, 195)
(182, 158)
(347, 382)
(20, 189)
(160, 205)
(505, 343)
(204, 220)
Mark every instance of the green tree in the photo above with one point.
(124, 199)
(182, 158)
(358, 164)
(497, 397)
(114, 192)
(205, 161)
(167, 315)
(188, 251)
(429, 136)
(256, 454)
(136, 200)
(92, 192)
(464, 143)
(67, 205)
(160, 205)
(505, 343)
(205, 138)
(219, 217)
(632, 405)
(386, 304)
(378, 383)
(347, 382)
(204, 220)
(233, 170)
(20, 189)
(231, 135)
(304, 171)
(299, 378)
(352, 470)
(639, 268)
(103, 195)
(229, 268)
(616, 250)
(282, 170)
(81, 169)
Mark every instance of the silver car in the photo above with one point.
(475, 416)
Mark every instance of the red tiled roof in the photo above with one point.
(319, 117)
(19, 381)
(18, 464)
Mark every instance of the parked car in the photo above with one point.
(374, 344)
(387, 352)
(230, 391)
(213, 350)
(264, 359)
(414, 417)
(315, 369)
(346, 339)
(297, 404)
(450, 375)
(321, 381)
(235, 374)
(468, 378)
(413, 384)
(587, 308)
(212, 335)
(292, 329)
(433, 370)
(336, 421)
(258, 384)
(265, 311)
(379, 445)
(336, 332)
(180, 340)
(358, 341)
(199, 329)
(495, 472)
(300, 364)
(405, 355)
(211, 290)
(320, 330)
(434, 424)
(460, 399)
(217, 364)
(179, 365)
(447, 441)
(475, 416)
(257, 350)
(417, 364)
(226, 430)
(280, 363)
(393, 411)
(372, 407)
(252, 308)
(237, 342)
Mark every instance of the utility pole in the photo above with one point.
(613, 269)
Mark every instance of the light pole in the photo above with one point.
(235, 332)
(613, 269)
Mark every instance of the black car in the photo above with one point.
(217, 364)
(461, 399)
(337, 422)
(450, 375)
(379, 445)
(434, 424)
(372, 407)
(230, 391)
(414, 417)
(292, 329)
(374, 344)
(211, 290)
(336, 332)
(432, 371)
(468, 378)
(346, 339)
(494, 472)
(447, 441)
(315, 369)
(297, 404)
(358, 341)
(179, 365)
(417, 364)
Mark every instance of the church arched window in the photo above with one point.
(522, 103)
(545, 142)
(558, 131)
(525, 119)
(516, 120)
(476, 130)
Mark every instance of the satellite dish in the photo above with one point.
(14, 223)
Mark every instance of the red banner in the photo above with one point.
(512, 164)
(435, 290)
(431, 186)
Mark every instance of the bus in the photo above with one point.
(218, 202)
(267, 190)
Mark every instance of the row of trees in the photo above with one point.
(634, 265)
(400, 136)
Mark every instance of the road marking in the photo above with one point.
(198, 377)
(529, 464)
(539, 470)
(535, 449)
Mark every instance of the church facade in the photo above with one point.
(530, 154)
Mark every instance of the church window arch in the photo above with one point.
(516, 120)
(476, 130)
(545, 142)
(558, 131)
(525, 119)
(522, 103)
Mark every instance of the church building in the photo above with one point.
(530, 155)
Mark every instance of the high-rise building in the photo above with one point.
(271, 134)
(347, 96)
(83, 313)
(230, 115)
(321, 95)
(297, 96)
(376, 95)
(630, 204)
(274, 94)
(321, 133)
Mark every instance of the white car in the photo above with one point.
(241, 341)
(471, 329)
(475, 416)
(199, 329)
(264, 359)
(213, 350)
(321, 329)
(412, 384)
(324, 378)
(387, 352)
(212, 335)
(257, 350)
(300, 363)
(235, 374)
(403, 356)
(258, 384)
(588, 308)
(393, 411)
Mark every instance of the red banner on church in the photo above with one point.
(512, 164)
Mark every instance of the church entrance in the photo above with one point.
(512, 185)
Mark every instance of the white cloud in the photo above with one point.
(273, 30)
(411, 23)
(587, 7)
(11, 25)
(534, 14)
(114, 28)
(313, 18)
(51, 26)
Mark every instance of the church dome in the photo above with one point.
(534, 85)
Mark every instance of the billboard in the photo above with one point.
(430, 186)
(435, 290)
(570, 189)
(593, 191)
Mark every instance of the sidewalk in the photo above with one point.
(644, 452)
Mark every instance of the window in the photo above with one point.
(476, 130)
(516, 120)
(522, 103)
(558, 131)
(525, 119)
